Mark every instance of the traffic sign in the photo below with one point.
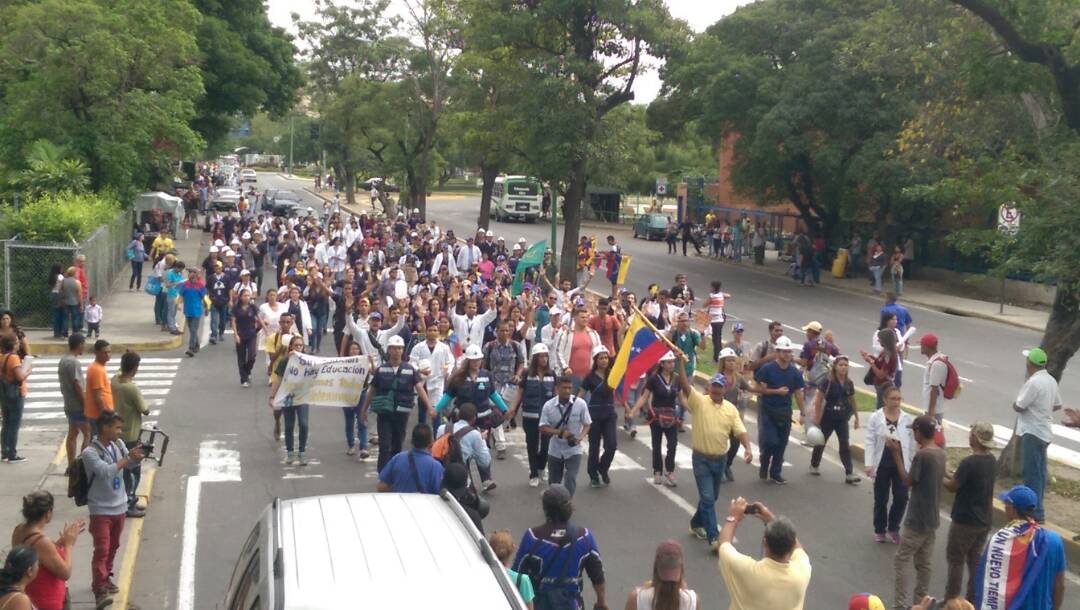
(1008, 219)
(661, 185)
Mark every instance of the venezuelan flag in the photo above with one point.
(640, 351)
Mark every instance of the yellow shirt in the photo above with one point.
(161, 244)
(764, 584)
(713, 423)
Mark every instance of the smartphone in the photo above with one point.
(753, 508)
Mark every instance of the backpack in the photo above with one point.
(447, 448)
(951, 388)
(819, 369)
(79, 480)
(557, 595)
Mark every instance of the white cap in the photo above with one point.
(245, 272)
(416, 210)
(783, 344)
(522, 240)
(235, 241)
(668, 356)
(213, 249)
(555, 313)
(246, 235)
(597, 350)
(539, 348)
(727, 352)
(219, 243)
(490, 233)
(473, 352)
(395, 341)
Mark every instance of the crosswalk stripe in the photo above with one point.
(142, 383)
(50, 371)
(147, 392)
(60, 415)
(59, 404)
(88, 360)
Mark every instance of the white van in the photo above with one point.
(364, 550)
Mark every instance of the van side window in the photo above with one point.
(248, 585)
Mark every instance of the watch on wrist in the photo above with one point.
(731, 519)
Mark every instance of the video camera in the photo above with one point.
(151, 438)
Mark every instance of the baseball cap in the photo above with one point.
(718, 379)
(527, 286)
(1035, 355)
(983, 433)
(395, 341)
(739, 327)
(929, 340)
(727, 352)
(814, 326)
(669, 561)
(1020, 496)
(245, 272)
(668, 356)
(375, 315)
(925, 425)
(784, 344)
(865, 601)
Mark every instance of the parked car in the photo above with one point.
(365, 550)
(221, 204)
(291, 209)
(248, 175)
(651, 226)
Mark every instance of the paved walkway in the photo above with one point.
(128, 321)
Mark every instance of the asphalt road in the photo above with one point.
(223, 434)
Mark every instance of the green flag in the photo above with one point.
(532, 257)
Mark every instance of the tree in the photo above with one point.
(115, 84)
(583, 60)
(50, 170)
(247, 64)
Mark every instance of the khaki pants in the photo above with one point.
(963, 549)
(915, 547)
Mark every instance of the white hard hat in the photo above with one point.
(219, 243)
(597, 350)
(522, 240)
(229, 252)
(416, 210)
(783, 344)
(213, 249)
(246, 235)
(395, 341)
(490, 233)
(815, 436)
(727, 352)
(668, 356)
(539, 348)
(473, 352)
(501, 238)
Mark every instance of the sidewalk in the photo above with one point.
(929, 294)
(128, 321)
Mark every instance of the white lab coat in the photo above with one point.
(471, 331)
(876, 433)
(464, 261)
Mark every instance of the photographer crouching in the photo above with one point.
(778, 580)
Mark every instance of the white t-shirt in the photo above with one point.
(716, 307)
(1037, 399)
(934, 375)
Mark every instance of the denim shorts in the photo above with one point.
(76, 418)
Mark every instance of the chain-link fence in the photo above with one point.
(29, 269)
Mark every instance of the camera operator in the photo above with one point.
(565, 419)
(129, 405)
(779, 580)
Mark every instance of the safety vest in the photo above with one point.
(405, 391)
(538, 390)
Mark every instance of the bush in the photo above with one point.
(63, 217)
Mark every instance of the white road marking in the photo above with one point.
(291, 476)
(923, 366)
(218, 463)
(149, 392)
(88, 359)
(60, 415)
(59, 404)
(186, 591)
(769, 294)
(142, 383)
(41, 371)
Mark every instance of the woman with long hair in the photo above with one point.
(55, 280)
(660, 394)
(20, 568)
(883, 366)
(246, 326)
(834, 405)
(356, 429)
(294, 414)
(270, 316)
(887, 422)
(8, 328)
(668, 589)
(604, 418)
(536, 388)
(737, 393)
(49, 588)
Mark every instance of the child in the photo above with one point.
(93, 318)
(504, 548)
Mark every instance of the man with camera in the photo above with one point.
(777, 581)
(129, 405)
(565, 421)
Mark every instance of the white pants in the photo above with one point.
(508, 392)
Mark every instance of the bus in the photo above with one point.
(517, 197)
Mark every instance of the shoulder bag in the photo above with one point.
(384, 402)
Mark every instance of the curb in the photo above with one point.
(945, 501)
(936, 307)
(160, 345)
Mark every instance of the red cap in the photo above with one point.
(929, 340)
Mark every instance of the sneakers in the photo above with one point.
(364, 454)
(135, 513)
(894, 537)
(213, 341)
(534, 481)
(102, 599)
(880, 538)
(351, 451)
(595, 483)
(852, 479)
(18, 459)
(699, 533)
(779, 480)
(488, 485)
(669, 480)
(245, 384)
(730, 476)
(111, 587)
(814, 470)
(190, 354)
(301, 459)
(606, 478)
(290, 458)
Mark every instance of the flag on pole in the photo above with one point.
(618, 266)
(532, 258)
(640, 351)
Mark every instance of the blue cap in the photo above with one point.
(739, 327)
(527, 286)
(376, 315)
(1020, 496)
(719, 379)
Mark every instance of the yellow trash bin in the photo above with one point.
(840, 263)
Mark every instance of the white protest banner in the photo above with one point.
(325, 382)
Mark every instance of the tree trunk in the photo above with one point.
(423, 177)
(575, 194)
(346, 172)
(1010, 464)
(488, 173)
(1062, 334)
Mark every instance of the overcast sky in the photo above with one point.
(700, 14)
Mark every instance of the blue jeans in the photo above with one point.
(708, 474)
(219, 318)
(193, 333)
(72, 318)
(170, 313)
(876, 271)
(293, 415)
(773, 440)
(58, 325)
(1033, 452)
(318, 323)
(160, 318)
(9, 433)
(355, 428)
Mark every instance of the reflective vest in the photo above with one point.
(538, 390)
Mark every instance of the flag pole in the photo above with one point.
(649, 323)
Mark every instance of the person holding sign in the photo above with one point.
(394, 388)
(293, 413)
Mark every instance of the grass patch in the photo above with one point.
(865, 403)
(1058, 485)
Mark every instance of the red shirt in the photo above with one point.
(607, 326)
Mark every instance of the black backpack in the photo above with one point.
(79, 480)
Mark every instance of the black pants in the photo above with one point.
(536, 445)
(834, 423)
(136, 275)
(391, 427)
(759, 255)
(132, 476)
(717, 339)
(886, 517)
(687, 238)
(671, 249)
(733, 449)
(658, 435)
(601, 435)
(245, 357)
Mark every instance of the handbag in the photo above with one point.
(153, 285)
(384, 402)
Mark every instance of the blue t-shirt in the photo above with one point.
(193, 299)
(775, 377)
(1042, 593)
(398, 474)
(903, 318)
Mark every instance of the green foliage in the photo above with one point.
(60, 218)
(113, 83)
(49, 171)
